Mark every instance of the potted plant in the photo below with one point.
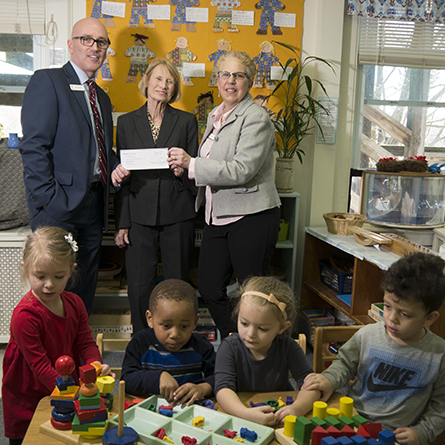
(298, 116)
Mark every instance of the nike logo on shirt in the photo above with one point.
(390, 378)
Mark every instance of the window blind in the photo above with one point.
(412, 44)
(22, 16)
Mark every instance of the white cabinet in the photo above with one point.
(12, 242)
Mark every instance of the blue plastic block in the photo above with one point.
(387, 437)
(166, 412)
(249, 435)
(62, 417)
(110, 437)
(343, 440)
(253, 405)
(289, 400)
(59, 403)
(359, 440)
(373, 441)
(61, 385)
(329, 441)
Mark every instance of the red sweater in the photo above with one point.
(38, 339)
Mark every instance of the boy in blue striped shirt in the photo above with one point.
(168, 358)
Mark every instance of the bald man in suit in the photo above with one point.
(67, 181)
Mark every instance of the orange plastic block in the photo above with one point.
(71, 396)
(98, 368)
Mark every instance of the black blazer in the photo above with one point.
(156, 197)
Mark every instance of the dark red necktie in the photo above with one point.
(99, 133)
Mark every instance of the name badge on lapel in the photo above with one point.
(77, 87)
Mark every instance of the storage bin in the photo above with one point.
(403, 199)
(339, 282)
(314, 318)
(284, 229)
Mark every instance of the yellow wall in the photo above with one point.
(126, 97)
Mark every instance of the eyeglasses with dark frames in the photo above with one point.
(89, 41)
(226, 75)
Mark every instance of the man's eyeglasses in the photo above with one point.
(89, 41)
(226, 75)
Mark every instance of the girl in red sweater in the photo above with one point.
(48, 322)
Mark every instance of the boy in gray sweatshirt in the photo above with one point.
(399, 363)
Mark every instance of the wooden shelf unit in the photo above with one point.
(369, 267)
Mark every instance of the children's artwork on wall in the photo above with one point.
(139, 9)
(224, 14)
(179, 17)
(202, 110)
(96, 13)
(105, 68)
(268, 10)
(150, 35)
(264, 60)
(138, 54)
(223, 46)
(179, 56)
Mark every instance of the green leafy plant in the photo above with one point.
(299, 114)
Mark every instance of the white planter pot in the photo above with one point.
(284, 175)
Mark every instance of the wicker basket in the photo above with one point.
(339, 223)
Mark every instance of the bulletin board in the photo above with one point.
(196, 33)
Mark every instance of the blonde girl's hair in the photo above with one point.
(243, 57)
(172, 70)
(49, 244)
(270, 286)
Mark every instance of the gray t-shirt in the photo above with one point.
(237, 370)
(397, 385)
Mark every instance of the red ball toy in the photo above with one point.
(65, 365)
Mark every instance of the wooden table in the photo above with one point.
(43, 414)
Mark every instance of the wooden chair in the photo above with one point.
(325, 335)
(301, 340)
(112, 344)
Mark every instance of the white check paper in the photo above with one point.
(144, 158)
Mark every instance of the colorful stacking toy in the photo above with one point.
(64, 394)
(91, 418)
(339, 427)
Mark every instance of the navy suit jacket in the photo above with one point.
(59, 145)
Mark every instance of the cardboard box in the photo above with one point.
(112, 331)
(314, 318)
(113, 323)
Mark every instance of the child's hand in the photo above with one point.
(288, 410)
(189, 392)
(318, 382)
(262, 414)
(407, 436)
(167, 386)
